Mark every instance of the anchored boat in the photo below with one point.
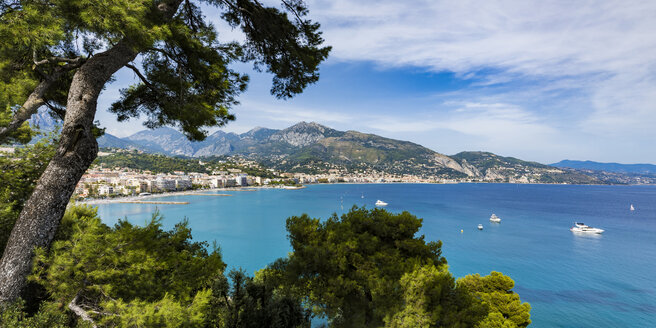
(580, 227)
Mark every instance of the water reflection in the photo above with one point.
(586, 243)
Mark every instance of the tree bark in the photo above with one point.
(38, 222)
(80, 311)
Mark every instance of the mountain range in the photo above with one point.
(313, 148)
(648, 169)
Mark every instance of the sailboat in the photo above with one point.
(632, 208)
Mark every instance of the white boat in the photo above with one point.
(380, 203)
(632, 208)
(480, 227)
(494, 218)
(582, 228)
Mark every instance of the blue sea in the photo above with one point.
(570, 280)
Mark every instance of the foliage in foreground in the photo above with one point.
(505, 307)
(366, 268)
(128, 275)
(431, 298)
(349, 267)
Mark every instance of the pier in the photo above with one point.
(194, 194)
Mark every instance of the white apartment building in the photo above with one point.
(183, 184)
(105, 190)
(164, 184)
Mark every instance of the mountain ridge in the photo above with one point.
(608, 167)
(309, 147)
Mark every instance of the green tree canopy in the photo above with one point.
(431, 298)
(366, 268)
(350, 267)
(185, 77)
(495, 290)
(128, 275)
(242, 301)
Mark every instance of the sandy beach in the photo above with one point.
(201, 192)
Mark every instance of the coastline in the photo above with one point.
(204, 192)
(199, 192)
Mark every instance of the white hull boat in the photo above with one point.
(582, 228)
(495, 219)
(380, 203)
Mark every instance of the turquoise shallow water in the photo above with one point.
(570, 280)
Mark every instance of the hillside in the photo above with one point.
(492, 167)
(313, 148)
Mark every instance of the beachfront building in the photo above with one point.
(164, 184)
(241, 180)
(183, 183)
(105, 190)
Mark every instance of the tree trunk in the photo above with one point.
(38, 222)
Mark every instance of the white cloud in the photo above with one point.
(549, 79)
(487, 126)
(591, 62)
(556, 38)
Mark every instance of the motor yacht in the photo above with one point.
(494, 218)
(582, 228)
(380, 203)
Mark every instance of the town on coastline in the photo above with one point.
(129, 172)
(104, 180)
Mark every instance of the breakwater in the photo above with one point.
(151, 202)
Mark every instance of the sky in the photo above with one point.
(537, 80)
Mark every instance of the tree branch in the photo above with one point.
(190, 13)
(56, 59)
(141, 76)
(235, 7)
(7, 8)
(293, 10)
(36, 98)
(29, 108)
(169, 55)
(59, 111)
(80, 312)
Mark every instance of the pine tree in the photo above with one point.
(62, 53)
